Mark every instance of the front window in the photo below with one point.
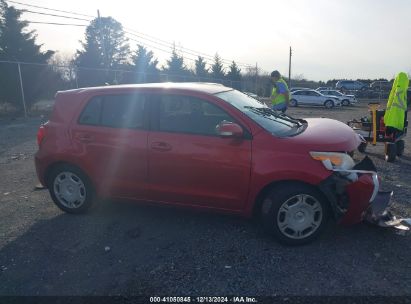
(332, 93)
(277, 124)
(187, 114)
(336, 93)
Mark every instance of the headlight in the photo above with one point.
(335, 160)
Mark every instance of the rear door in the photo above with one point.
(188, 163)
(301, 97)
(110, 138)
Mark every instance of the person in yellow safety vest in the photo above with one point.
(394, 116)
(280, 95)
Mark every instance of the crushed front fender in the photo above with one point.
(350, 198)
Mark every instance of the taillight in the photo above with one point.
(41, 133)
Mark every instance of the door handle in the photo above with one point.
(161, 146)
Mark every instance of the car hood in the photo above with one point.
(328, 135)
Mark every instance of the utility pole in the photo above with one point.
(103, 44)
(256, 76)
(289, 69)
(22, 91)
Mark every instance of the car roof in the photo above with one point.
(202, 87)
(305, 90)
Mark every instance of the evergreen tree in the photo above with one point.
(217, 69)
(234, 74)
(200, 68)
(105, 47)
(145, 65)
(18, 44)
(176, 69)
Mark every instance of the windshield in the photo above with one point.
(277, 124)
(332, 93)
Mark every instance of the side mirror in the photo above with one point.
(229, 129)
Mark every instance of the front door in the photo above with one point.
(188, 163)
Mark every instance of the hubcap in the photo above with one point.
(69, 190)
(300, 216)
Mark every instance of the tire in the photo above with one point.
(362, 147)
(329, 104)
(390, 152)
(400, 147)
(295, 214)
(70, 189)
(293, 103)
(345, 102)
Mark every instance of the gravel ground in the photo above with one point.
(125, 249)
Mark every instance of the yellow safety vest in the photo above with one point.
(278, 98)
(397, 103)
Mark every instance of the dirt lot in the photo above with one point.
(139, 250)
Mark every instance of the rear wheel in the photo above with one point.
(294, 213)
(390, 152)
(400, 147)
(329, 104)
(70, 189)
(293, 103)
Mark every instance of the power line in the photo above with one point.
(53, 15)
(162, 44)
(130, 32)
(197, 53)
(49, 9)
(155, 47)
(54, 23)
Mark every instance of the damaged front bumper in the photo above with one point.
(355, 195)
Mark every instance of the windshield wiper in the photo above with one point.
(271, 112)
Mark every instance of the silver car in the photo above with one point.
(346, 100)
(312, 97)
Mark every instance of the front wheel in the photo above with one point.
(400, 147)
(295, 213)
(345, 102)
(70, 189)
(329, 104)
(293, 103)
(390, 152)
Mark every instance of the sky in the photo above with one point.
(330, 38)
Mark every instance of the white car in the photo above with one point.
(312, 97)
(346, 100)
(298, 89)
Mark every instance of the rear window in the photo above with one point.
(115, 111)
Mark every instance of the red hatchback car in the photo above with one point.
(204, 146)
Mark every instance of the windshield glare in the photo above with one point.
(261, 113)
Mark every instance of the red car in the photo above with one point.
(205, 146)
